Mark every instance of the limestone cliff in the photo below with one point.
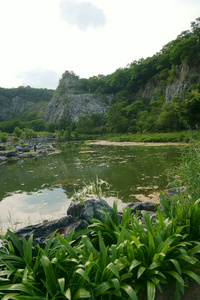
(14, 107)
(15, 102)
(66, 102)
(182, 80)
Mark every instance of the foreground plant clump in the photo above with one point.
(112, 259)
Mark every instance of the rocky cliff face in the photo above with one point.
(67, 103)
(182, 81)
(16, 106)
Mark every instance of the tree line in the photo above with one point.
(129, 113)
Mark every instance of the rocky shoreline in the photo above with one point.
(78, 217)
(28, 149)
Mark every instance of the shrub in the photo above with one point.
(3, 137)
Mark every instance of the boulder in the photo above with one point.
(22, 148)
(3, 158)
(88, 209)
(42, 231)
(140, 206)
(2, 147)
(8, 153)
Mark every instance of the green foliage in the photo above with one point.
(95, 123)
(117, 121)
(132, 110)
(29, 133)
(26, 93)
(184, 207)
(17, 132)
(118, 261)
(3, 137)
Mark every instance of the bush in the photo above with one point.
(3, 137)
(117, 262)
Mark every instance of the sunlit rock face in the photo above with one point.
(66, 102)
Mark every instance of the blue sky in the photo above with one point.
(40, 39)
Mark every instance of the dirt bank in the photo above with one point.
(108, 143)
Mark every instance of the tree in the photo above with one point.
(116, 119)
(17, 132)
(38, 125)
(84, 124)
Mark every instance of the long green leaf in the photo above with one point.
(151, 244)
(176, 264)
(192, 275)
(67, 294)
(176, 276)
(61, 282)
(82, 273)
(82, 293)
(116, 283)
(194, 250)
(16, 287)
(16, 242)
(103, 287)
(128, 289)
(10, 296)
(148, 223)
(151, 290)
(134, 264)
(113, 269)
(49, 243)
(27, 250)
(50, 277)
(141, 270)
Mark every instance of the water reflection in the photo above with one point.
(42, 188)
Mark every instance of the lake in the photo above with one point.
(38, 189)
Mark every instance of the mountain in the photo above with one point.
(159, 93)
(67, 102)
(17, 101)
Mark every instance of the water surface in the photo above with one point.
(38, 189)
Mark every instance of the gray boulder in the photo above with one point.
(89, 209)
(8, 153)
(143, 206)
(41, 232)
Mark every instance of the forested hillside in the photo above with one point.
(157, 94)
(23, 107)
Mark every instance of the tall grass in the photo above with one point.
(184, 207)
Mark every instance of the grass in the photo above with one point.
(184, 136)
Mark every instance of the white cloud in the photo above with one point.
(40, 78)
(82, 14)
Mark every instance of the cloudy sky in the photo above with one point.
(40, 39)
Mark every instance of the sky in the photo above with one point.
(41, 39)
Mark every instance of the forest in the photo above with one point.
(130, 112)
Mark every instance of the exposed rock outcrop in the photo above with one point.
(181, 81)
(66, 103)
(33, 148)
(14, 107)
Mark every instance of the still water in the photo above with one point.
(38, 189)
